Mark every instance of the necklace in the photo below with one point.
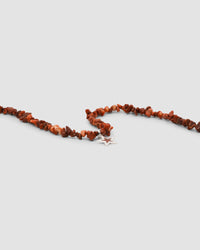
(104, 128)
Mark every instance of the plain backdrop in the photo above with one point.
(58, 58)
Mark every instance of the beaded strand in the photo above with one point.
(104, 128)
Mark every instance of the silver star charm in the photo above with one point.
(105, 140)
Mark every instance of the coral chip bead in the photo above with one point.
(160, 114)
(83, 133)
(198, 127)
(149, 112)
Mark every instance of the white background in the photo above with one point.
(58, 58)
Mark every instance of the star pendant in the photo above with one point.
(105, 140)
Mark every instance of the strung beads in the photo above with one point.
(104, 128)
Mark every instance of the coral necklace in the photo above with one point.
(104, 128)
